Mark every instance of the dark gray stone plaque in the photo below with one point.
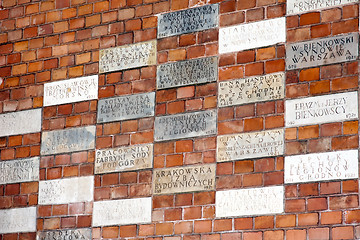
(68, 140)
(322, 51)
(187, 21)
(185, 125)
(68, 234)
(126, 107)
(183, 73)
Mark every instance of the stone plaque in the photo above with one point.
(68, 234)
(188, 72)
(68, 140)
(321, 166)
(124, 158)
(126, 107)
(16, 123)
(21, 170)
(68, 190)
(187, 21)
(122, 212)
(321, 109)
(250, 145)
(301, 6)
(249, 202)
(323, 51)
(184, 179)
(252, 35)
(18, 220)
(128, 56)
(185, 125)
(72, 90)
(252, 89)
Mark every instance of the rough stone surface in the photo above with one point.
(69, 234)
(301, 6)
(18, 220)
(18, 122)
(22, 170)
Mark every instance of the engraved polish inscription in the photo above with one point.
(22, 170)
(16, 123)
(18, 220)
(68, 234)
(188, 72)
(184, 179)
(301, 6)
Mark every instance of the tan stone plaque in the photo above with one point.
(184, 179)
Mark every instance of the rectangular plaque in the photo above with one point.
(128, 56)
(23, 122)
(250, 145)
(301, 6)
(252, 89)
(322, 51)
(122, 212)
(68, 190)
(68, 140)
(124, 158)
(126, 107)
(249, 202)
(21, 170)
(321, 109)
(68, 234)
(184, 179)
(18, 220)
(187, 21)
(321, 166)
(72, 90)
(188, 72)
(185, 125)
(252, 35)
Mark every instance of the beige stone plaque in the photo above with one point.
(184, 179)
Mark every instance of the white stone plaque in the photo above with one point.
(322, 166)
(72, 90)
(67, 234)
(122, 212)
(250, 145)
(321, 109)
(124, 158)
(68, 140)
(18, 220)
(249, 202)
(252, 35)
(126, 107)
(184, 179)
(301, 6)
(252, 89)
(185, 125)
(21, 170)
(68, 190)
(322, 51)
(128, 56)
(23, 122)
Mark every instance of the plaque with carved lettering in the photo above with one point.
(323, 51)
(124, 158)
(184, 179)
(187, 21)
(185, 125)
(321, 109)
(18, 220)
(21, 170)
(250, 145)
(252, 35)
(16, 123)
(249, 202)
(68, 190)
(68, 140)
(321, 166)
(128, 56)
(122, 212)
(66, 234)
(126, 107)
(188, 72)
(252, 89)
(301, 6)
(72, 90)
